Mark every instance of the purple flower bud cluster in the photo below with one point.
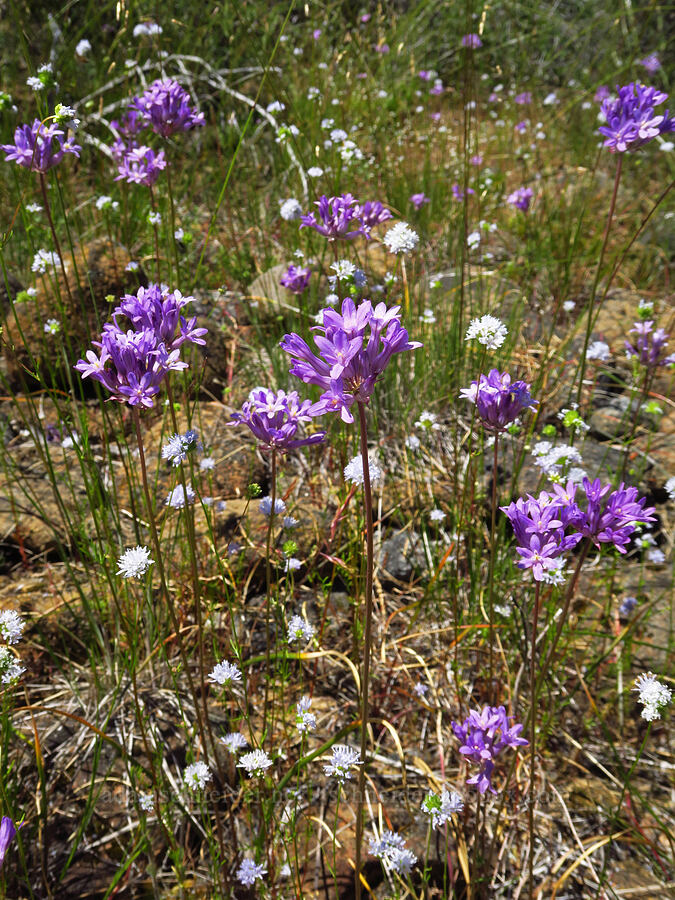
(342, 217)
(275, 417)
(165, 107)
(483, 735)
(521, 198)
(552, 524)
(498, 400)
(39, 147)
(295, 279)
(650, 347)
(631, 121)
(355, 347)
(133, 363)
(472, 41)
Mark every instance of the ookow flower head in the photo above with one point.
(39, 147)
(630, 118)
(165, 106)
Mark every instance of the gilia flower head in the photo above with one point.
(483, 735)
(304, 719)
(631, 121)
(651, 63)
(256, 762)
(180, 497)
(196, 776)
(440, 809)
(178, 446)
(299, 629)
(355, 346)
(225, 674)
(234, 741)
(39, 147)
(338, 218)
(598, 350)
(652, 695)
(498, 400)
(265, 506)
(521, 198)
(10, 669)
(134, 563)
(341, 761)
(401, 238)
(391, 849)
(165, 106)
(249, 872)
(488, 331)
(275, 417)
(11, 626)
(354, 470)
(650, 349)
(296, 279)
(290, 209)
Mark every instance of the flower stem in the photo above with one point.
(533, 735)
(368, 509)
(268, 580)
(491, 570)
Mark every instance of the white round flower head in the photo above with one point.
(207, 464)
(177, 447)
(33, 208)
(473, 240)
(134, 563)
(10, 669)
(52, 326)
(105, 202)
(427, 420)
(234, 741)
(44, 258)
(255, 762)
(436, 515)
(341, 761)
(225, 674)
(196, 776)
(65, 115)
(146, 802)
(132, 266)
(656, 556)
(34, 83)
(670, 487)
(83, 47)
(276, 106)
(249, 872)
(354, 470)
(412, 442)
(304, 720)
(315, 172)
(11, 626)
(391, 849)
(154, 218)
(343, 268)
(420, 689)
(598, 350)
(177, 497)
(147, 29)
(292, 564)
(652, 695)
(401, 238)
(290, 209)
(265, 506)
(440, 809)
(299, 629)
(488, 330)
(289, 522)
(428, 317)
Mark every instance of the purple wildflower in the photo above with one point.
(141, 165)
(459, 194)
(296, 279)
(418, 200)
(347, 368)
(498, 400)
(38, 147)
(7, 835)
(521, 198)
(370, 214)
(437, 89)
(651, 345)
(425, 75)
(131, 123)
(611, 516)
(651, 63)
(338, 217)
(483, 735)
(523, 99)
(472, 41)
(602, 93)
(165, 106)
(630, 117)
(274, 418)
(141, 359)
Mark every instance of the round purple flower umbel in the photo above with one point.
(295, 279)
(631, 121)
(498, 400)
(483, 735)
(165, 106)
(650, 349)
(338, 218)
(355, 347)
(472, 41)
(39, 147)
(140, 165)
(275, 417)
(521, 198)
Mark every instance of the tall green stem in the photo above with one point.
(268, 580)
(368, 509)
(533, 734)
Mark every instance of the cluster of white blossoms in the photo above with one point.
(234, 741)
(11, 630)
(196, 775)
(559, 461)
(290, 209)
(354, 470)
(401, 238)
(440, 809)
(391, 849)
(134, 563)
(488, 331)
(304, 720)
(256, 762)
(224, 674)
(249, 872)
(342, 760)
(265, 506)
(652, 695)
(299, 629)
(598, 350)
(43, 259)
(180, 497)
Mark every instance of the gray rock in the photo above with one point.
(400, 554)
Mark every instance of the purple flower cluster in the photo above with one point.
(140, 165)
(355, 348)
(550, 525)
(418, 200)
(133, 363)
(274, 418)
(296, 279)
(630, 117)
(498, 400)
(165, 107)
(483, 735)
(472, 41)
(521, 198)
(39, 147)
(343, 217)
(651, 345)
